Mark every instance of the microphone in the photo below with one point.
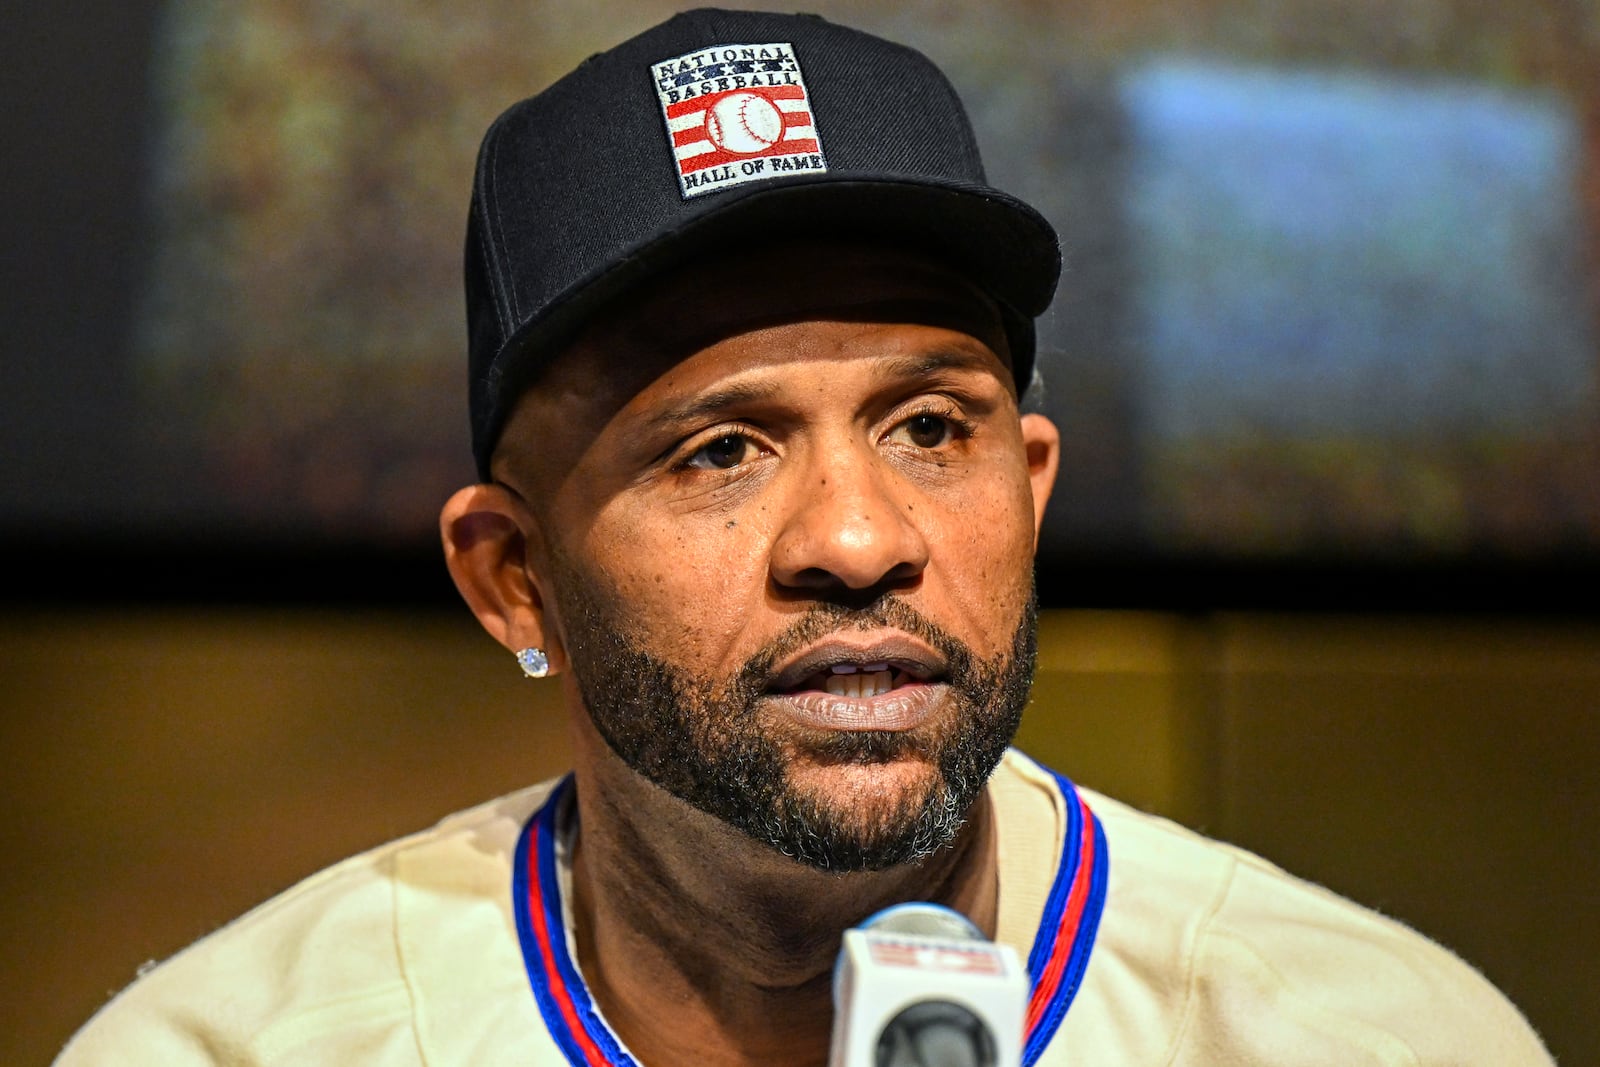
(917, 985)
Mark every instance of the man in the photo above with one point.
(748, 331)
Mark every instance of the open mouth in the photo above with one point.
(884, 679)
(891, 684)
(856, 682)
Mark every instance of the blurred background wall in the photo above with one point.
(1330, 287)
(1320, 571)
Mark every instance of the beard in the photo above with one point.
(703, 740)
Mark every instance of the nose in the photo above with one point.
(850, 525)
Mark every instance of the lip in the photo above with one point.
(899, 650)
(917, 666)
(902, 708)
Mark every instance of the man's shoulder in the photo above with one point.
(333, 961)
(1232, 958)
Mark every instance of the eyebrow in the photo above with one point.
(930, 363)
(701, 407)
(708, 405)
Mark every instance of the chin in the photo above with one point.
(848, 817)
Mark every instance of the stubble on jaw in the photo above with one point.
(703, 740)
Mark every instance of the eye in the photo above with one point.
(722, 453)
(927, 431)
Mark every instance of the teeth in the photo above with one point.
(851, 668)
(865, 682)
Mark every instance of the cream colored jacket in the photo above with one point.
(1149, 945)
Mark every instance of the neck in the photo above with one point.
(703, 946)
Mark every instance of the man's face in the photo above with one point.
(788, 522)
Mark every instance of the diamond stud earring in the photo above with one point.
(534, 663)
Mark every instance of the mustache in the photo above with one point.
(885, 612)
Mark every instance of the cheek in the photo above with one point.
(686, 587)
(984, 553)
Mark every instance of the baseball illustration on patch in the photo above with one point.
(737, 113)
(744, 123)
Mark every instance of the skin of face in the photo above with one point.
(737, 470)
(769, 463)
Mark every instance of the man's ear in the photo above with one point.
(1041, 443)
(492, 543)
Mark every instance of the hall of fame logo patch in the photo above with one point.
(737, 113)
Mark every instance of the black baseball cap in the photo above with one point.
(722, 129)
